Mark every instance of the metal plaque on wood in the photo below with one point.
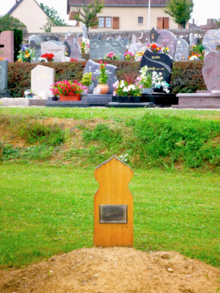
(113, 214)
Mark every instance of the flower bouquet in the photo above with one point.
(139, 55)
(103, 79)
(26, 54)
(29, 94)
(48, 56)
(67, 90)
(129, 56)
(195, 57)
(85, 48)
(112, 56)
(154, 48)
(144, 80)
(165, 50)
(86, 81)
(123, 89)
(158, 83)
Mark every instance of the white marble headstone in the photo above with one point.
(57, 50)
(42, 77)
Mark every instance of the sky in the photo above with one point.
(203, 9)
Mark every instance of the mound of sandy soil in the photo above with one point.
(101, 270)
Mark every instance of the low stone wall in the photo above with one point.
(124, 34)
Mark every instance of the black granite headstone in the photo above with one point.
(158, 62)
(93, 67)
(153, 35)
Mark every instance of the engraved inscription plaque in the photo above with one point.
(113, 214)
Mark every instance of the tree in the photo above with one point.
(53, 15)
(47, 26)
(87, 13)
(180, 10)
(8, 22)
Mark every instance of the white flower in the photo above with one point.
(122, 83)
(125, 89)
(131, 87)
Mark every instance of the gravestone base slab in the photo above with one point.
(5, 94)
(130, 105)
(22, 102)
(86, 101)
(198, 101)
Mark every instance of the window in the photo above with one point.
(163, 22)
(140, 19)
(105, 22)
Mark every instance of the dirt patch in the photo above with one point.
(100, 270)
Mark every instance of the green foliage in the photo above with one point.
(18, 38)
(44, 134)
(199, 48)
(47, 26)
(53, 16)
(180, 10)
(108, 137)
(86, 79)
(186, 76)
(165, 140)
(86, 13)
(8, 22)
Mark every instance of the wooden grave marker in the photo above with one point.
(113, 205)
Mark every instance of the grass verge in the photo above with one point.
(45, 210)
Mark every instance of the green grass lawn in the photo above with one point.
(45, 210)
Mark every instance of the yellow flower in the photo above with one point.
(27, 55)
(19, 60)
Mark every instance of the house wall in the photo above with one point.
(128, 18)
(31, 15)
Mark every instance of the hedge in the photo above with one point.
(186, 76)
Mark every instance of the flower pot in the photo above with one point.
(146, 91)
(104, 88)
(158, 90)
(29, 96)
(74, 98)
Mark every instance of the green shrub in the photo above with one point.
(186, 76)
(44, 134)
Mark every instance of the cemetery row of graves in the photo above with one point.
(148, 72)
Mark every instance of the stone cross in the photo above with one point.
(113, 205)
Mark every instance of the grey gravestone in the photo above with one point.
(134, 48)
(93, 67)
(4, 79)
(34, 38)
(74, 47)
(211, 40)
(99, 36)
(56, 42)
(37, 48)
(167, 39)
(154, 35)
(158, 62)
(3, 75)
(191, 38)
(98, 49)
(57, 50)
(182, 48)
(118, 38)
(134, 39)
(126, 41)
(143, 38)
(186, 38)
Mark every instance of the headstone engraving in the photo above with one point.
(57, 50)
(114, 195)
(158, 62)
(211, 72)
(167, 39)
(98, 49)
(7, 45)
(182, 49)
(211, 40)
(42, 77)
(93, 67)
